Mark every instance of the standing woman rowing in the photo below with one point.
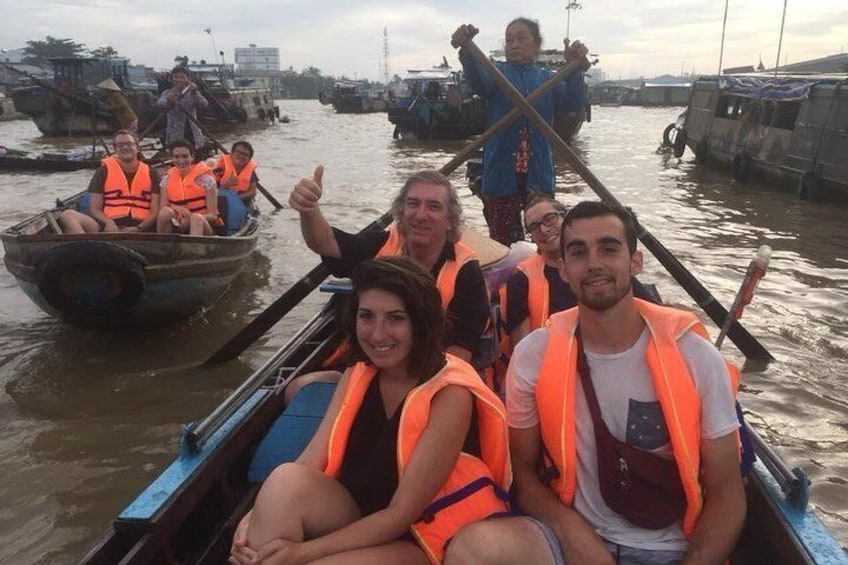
(518, 160)
(412, 446)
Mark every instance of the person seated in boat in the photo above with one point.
(427, 227)
(518, 158)
(535, 290)
(237, 171)
(407, 428)
(182, 100)
(189, 195)
(612, 395)
(123, 194)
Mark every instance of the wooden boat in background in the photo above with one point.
(437, 104)
(788, 128)
(189, 513)
(126, 279)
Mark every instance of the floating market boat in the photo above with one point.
(127, 279)
(436, 104)
(789, 129)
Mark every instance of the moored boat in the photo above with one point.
(232, 99)
(348, 97)
(68, 106)
(126, 279)
(189, 513)
(789, 129)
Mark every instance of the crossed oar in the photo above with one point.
(747, 343)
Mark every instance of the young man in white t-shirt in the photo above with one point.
(573, 524)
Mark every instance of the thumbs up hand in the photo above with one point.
(307, 192)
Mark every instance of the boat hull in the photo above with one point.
(55, 115)
(123, 280)
(46, 164)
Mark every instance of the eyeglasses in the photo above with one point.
(550, 219)
(125, 144)
(241, 152)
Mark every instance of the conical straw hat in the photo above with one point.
(109, 84)
(488, 250)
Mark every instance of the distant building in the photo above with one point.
(830, 64)
(255, 58)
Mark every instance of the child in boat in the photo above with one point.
(407, 427)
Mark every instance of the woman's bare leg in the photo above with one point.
(297, 503)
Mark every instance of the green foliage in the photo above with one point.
(37, 52)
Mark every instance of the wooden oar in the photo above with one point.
(309, 282)
(223, 150)
(746, 343)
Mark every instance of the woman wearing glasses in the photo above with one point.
(535, 290)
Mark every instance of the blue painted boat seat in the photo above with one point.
(292, 430)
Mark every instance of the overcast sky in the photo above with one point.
(345, 37)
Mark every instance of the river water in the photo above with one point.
(88, 418)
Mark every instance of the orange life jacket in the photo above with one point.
(182, 191)
(538, 298)
(446, 280)
(681, 407)
(122, 200)
(475, 488)
(226, 163)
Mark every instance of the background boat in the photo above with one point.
(436, 104)
(126, 279)
(789, 129)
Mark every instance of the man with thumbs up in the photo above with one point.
(427, 227)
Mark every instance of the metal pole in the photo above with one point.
(723, 28)
(780, 41)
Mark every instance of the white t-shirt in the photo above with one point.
(631, 411)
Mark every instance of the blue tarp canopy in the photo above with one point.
(767, 88)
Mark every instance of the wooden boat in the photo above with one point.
(437, 104)
(189, 513)
(789, 129)
(66, 105)
(126, 279)
(349, 97)
(87, 158)
(47, 162)
(231, 99)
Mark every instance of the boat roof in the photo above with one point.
(771, 87)
(433, 73)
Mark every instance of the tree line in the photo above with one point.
(306, 83)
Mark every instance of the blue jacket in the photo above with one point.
(499, 152)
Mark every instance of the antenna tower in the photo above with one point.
(385, 56)
(570, 5)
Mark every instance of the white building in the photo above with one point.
(255, 58)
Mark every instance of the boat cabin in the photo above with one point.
(790, 128)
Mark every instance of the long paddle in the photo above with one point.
(309, 282)
(223, 150)
(746, 343)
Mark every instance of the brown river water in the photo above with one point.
(88, 418)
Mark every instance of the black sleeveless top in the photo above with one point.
(369, 465)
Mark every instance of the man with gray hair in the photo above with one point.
(427, 228)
